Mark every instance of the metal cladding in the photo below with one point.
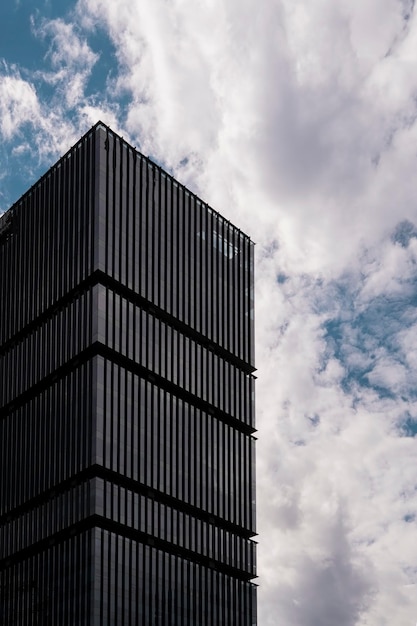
(127, 491)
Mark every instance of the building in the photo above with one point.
(126, 400)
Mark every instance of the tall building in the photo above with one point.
(126, 400)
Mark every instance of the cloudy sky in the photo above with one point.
(297, 121)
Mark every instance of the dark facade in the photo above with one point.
(126, 400)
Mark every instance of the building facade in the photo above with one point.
(126, 400)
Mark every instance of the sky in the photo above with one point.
(298, 122)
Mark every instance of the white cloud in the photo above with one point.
(44, 111)
(29, 129)
(70, 57)
(19, 104)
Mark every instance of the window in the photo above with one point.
(221, 244)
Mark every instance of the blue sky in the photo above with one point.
(297, 121)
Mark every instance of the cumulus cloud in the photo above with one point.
(44, 111)
(31, 132)
(70, 57)
(298, 122)
(19, 103)
(337, 417)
